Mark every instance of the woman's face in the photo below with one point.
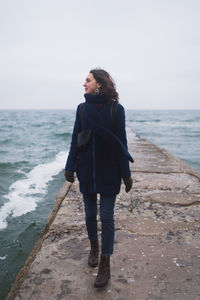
(90, 84)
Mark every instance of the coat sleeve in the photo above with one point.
(73, 152)
(120, 131)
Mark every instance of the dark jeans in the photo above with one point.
(107, 203)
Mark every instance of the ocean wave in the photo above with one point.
(3, 151)
(147, 121)
(3, 257)
(140, 121)
(12, 165)
(24, 194)
(63, 134)
(5, 141)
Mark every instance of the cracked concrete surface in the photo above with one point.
(157, 245)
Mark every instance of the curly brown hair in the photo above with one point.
(107, 84)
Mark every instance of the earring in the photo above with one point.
(96, 91)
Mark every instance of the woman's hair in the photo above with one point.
(107, 84)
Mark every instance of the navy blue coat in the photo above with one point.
(102, 166)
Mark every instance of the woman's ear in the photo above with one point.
(98, 85)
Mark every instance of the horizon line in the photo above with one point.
(3, 109)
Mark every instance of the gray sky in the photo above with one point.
(150, 47)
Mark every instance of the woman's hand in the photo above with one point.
(69, 176)
(128, 181)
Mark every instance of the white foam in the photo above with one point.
(3, 257)
(26, 193)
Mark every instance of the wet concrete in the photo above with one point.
(157, 245)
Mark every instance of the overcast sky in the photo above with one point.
(150, 47)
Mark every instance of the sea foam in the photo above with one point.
(24, 194)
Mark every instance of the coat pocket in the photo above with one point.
(83, 139)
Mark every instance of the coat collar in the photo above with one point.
(95, 99)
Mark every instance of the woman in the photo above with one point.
(100, 164)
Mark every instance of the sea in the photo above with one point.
(34, 145)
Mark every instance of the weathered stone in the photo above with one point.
(175, 198)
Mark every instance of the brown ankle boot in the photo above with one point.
(94, 254)
(103, 275)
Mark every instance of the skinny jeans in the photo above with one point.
(107, 203)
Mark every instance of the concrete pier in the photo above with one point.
(157, 238)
